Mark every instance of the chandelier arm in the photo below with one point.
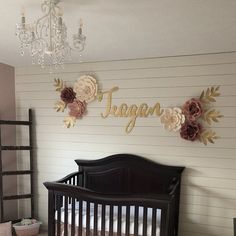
(44, 23)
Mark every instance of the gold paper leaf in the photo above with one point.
(207, 136)
(60, 106)
(59, 84)
(70, 121)
(211, 115)
(208, 92)
(202, 95)
(100, 96)
(209, 95)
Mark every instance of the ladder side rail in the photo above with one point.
(1, 182)
(31, 162)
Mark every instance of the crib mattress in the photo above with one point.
(115, 219)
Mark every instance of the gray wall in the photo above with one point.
(7, 112)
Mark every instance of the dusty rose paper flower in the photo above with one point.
(77, 108)
(86, 88)
(190, 130)
(172, 119)
(67, 95)
(192, 109)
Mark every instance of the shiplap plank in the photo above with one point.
(197, 202)
(219, 212)
(223, 101)
(23, 85)
(168, 62)
(227, 111)
(191, 190)
(202, 229)
(211, 220)
(151, 62)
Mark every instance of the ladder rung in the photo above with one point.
(16, 147)
(13, 197)
(12, 122)
(19, 172)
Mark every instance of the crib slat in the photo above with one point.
(127, 227)
(77, 180)
(103, 220)
(119, 221)
(80, 217)
(66, 217)
(145, 221)
(164, 223)
(154, 221)
(73, 217)
(95, 224)
(70, 199)
(59, 221)
(111, 216)
(136, 216)
(88, 219)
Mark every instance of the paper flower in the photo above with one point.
(172, 119)
(192, 109)
(75, 99)
(190, 130)
(67, 95)
(77, 109)
(86, 88)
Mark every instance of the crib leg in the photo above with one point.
(51, 213)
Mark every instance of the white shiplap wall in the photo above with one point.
(208, 198)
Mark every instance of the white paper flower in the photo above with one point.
(172, 119)
(86, 88)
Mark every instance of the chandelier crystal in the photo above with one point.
(46, 39)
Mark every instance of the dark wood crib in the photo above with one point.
(119, 195)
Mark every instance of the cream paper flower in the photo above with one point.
(172, 119)
(86, 88)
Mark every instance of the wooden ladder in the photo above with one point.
(17, 172)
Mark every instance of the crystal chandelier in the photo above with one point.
(46, 39)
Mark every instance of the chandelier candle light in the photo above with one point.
(47, 37)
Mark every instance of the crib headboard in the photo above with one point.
(126, 173)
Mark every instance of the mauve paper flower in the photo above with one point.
(172, 119)
(190, 130)
(67, 95)
(77, 108)
(192, 109)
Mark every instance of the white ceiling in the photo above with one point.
(128, 29)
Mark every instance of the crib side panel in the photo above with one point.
(89, 215)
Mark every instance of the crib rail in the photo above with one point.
(73, 179)
(96, 211)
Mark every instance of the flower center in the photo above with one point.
(193, 109)
(87, 89)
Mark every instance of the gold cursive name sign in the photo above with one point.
(123, 110)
